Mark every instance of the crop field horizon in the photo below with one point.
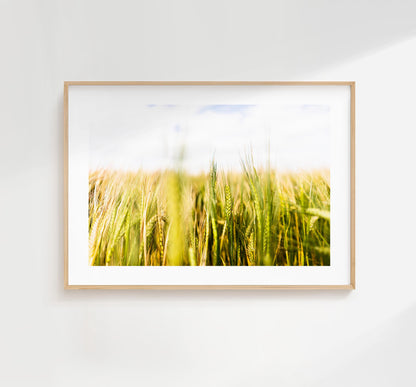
(172, 218)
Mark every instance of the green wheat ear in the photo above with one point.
(213, 213)
(160, 234)
(251, 258)
(126, 238)
(228, 203)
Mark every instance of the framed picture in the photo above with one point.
(209, 185)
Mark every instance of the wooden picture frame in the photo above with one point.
(68, 284)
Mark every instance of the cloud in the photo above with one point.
(226, 109)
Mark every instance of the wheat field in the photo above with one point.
(256, 217)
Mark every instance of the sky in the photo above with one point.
(150, 137)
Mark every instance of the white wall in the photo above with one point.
(52, 337)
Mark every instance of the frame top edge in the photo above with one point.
(213, 83)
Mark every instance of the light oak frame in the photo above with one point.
(351, 84)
